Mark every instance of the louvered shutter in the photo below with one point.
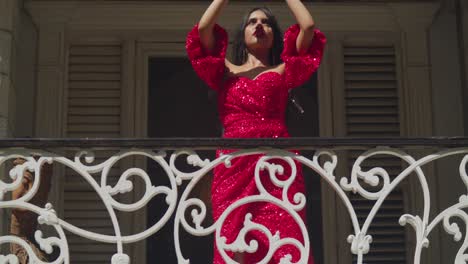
(371, 110)
(94, 110)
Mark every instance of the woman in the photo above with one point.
(252, 98)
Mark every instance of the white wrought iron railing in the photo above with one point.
(165, 152)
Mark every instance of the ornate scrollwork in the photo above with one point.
(48, 216)
(329, 166)
(291, 208)
(199, 214)
(324, 163)
(46, 244)
(274, 240)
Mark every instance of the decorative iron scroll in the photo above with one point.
(323, 162)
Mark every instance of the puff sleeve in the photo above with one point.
(300, 67)
(209, 66)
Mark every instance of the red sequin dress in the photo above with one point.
(254, 108)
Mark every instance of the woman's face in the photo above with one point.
(258, 32)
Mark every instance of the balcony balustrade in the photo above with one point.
(374, 184)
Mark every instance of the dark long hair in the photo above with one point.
(239, 49)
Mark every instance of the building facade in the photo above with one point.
(75, 69)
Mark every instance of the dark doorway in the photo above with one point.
(306, 125)
(181, 105)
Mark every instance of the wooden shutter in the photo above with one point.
(94, 110)
(371, 110)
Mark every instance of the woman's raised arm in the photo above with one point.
(306, 23)
(207, 22)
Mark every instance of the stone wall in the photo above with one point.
(17, 82)
(8, 22)
(18, 38)
(449, 108)
(463, 22)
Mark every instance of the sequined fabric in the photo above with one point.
(254, 108)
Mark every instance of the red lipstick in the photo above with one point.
(259, 31)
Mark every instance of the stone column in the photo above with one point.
(416, 105)
(17, 67)
(8, 11)
(448, 113)
(463, 21)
